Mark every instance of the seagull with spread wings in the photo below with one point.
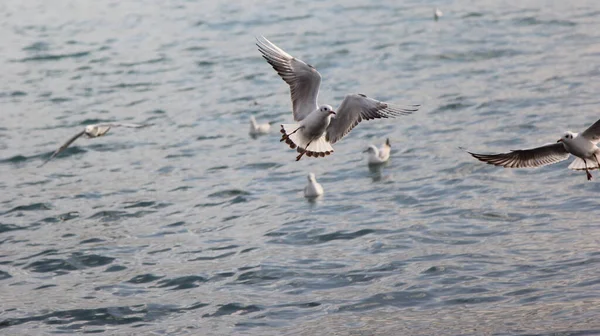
(583, 146)
(91, 131)
(316, 130)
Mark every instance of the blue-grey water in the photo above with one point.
(192, 227)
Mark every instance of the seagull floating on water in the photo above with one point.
(316, 130)
(258, 129)
(91, 131)
(379, 155)
(583, 146)
(313, 189)
(437, 13)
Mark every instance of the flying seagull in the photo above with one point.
(91, 131)
(316, 130)
(379, 155)
(258, 129)
(583, 146)
(313, 189)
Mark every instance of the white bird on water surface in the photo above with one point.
(583, 146)
(313, 189)
(437, 13)
(316, 130)
(258, 129)
(379, 155)
(91, 131)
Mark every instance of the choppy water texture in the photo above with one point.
(192, 227)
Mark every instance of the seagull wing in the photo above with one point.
(358, 107)
(304, 80)
(125, 125)
(63, 147)
(526, 158)
(593, 132)
(104, 128)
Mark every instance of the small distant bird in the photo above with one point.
(258, 129)
(583, 146)
(437, 13)
(379, 155)
(91, 131)
(316, 130)
(313, 189)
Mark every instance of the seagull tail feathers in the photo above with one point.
(317, 148)
(579, 164)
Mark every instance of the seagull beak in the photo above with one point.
(366, 150)
(559, 140)
(332, 112)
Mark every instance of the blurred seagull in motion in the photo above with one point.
(316, 130)
(91, 131)
(437, 13)
(379, 155)
(583, 146)
(313, 189)
(258, 129)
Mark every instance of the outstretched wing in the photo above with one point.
(125, 125)
(102, 129)
(358, 107)
(63, 147)
(593, 133)
(304, 80)
(526, 158)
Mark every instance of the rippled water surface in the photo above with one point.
(192, 227)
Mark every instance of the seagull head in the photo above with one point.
(327, 110)
(312, 178)
(568, 136)
(371, 150)
(91, 130)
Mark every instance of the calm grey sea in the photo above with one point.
(192, 227)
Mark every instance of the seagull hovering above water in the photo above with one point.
(379, 155)
(91, 131)
(316, 130)
(583, 146)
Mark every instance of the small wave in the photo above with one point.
(13, 94)
(472, 15)
(15, 159)
(531, 21)
(4, 275)
(234, 309)
(150, 61)
(145, 278)
(185, 282)
(30, 207)
(37, 46)
(82, 319)
(396, 299)
(306, 238)
(229, 193)
(220, 256)
(56, 57)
